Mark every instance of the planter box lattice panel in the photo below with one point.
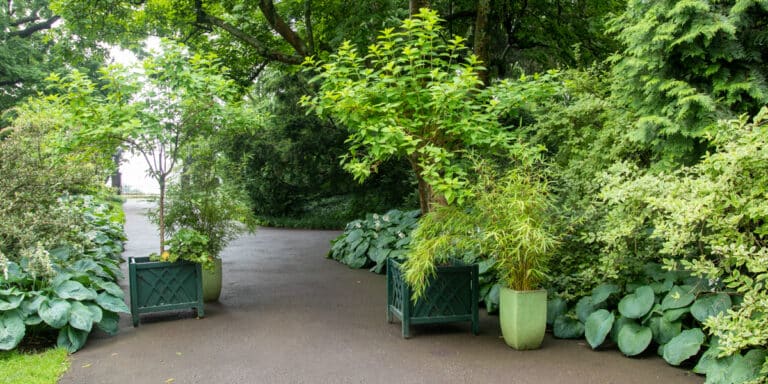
(160, 286)
(451, 296)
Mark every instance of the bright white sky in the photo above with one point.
(134, 168)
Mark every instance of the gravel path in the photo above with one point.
(288, 315)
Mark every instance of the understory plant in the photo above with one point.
(369, 242)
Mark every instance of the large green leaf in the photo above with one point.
(637, 304)
(708, 359)
(11, 301)
(112, 303)
(566, 327)
(710, 305)
(555, 307)
(683, 346)
(597, 327)
(603, 291)
(678, 297)
(71, 339)
(12, 329)
(586, 306)
(676, 314)
(55, 312)
(71, 289)
(747, 368)
(111, 288)
(80, 317)
(617, 325)
(109, 322)
(634, 339)
(667, 330)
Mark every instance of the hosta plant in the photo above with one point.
(369, 242)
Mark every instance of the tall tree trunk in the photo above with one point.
(483, 38)
(415, 5)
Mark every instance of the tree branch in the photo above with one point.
(204, 18)
(308, 22)
(24, 20)
(278, 24)
(35, 27)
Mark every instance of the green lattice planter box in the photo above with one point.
(160, 286)
(451, 296)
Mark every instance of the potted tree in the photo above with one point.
(208, 200)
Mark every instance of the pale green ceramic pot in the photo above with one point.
(212, 282)
(523, 317)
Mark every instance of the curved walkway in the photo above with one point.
(289, 315)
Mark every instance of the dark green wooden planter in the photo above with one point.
(451, 296)
(160, 286)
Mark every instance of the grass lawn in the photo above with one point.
(37, 368)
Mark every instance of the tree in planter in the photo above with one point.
(155, 111)
(412, 96)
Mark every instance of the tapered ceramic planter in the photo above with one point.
(158, 286)
(523, 317)
(212, 282)
(451, 296)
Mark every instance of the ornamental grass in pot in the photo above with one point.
(508, 222)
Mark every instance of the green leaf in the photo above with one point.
(55, 312)
(597, 327)
(617, 325)
(683, 346)
(112, 303)
(555, 307)
(80, 317)
(675, 314)
(637, 304)
(71, 289)
(603, 291)
(111, 288)
(109, 322)
(585, 306)
(747, 368)
(678, 297)
(10, 302)
(71, 339)
(12, 329)
(708, 362)
(33, 320)
(667, 330)
(566, 327)
(634, 338)
(710, 305)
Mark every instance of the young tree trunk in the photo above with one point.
(161, 214)
(415, 5)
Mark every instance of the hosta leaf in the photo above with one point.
(710, 305)
(634, 339)
(597, 327)
(112, 303)
(667, 330)
(678, 297)
(603, 291)
(33, 320)
(111, 288)
(10, 302)
(80, 317)
(71, 339)
(555, 308)
(31, 304)
(709, 360)
(55, 312)
(683, 346)
(617, 325)
(585, 306)
(566, 327)
(71, 289)
(109, 322)
(12, 329)
(637, 304)
(676, 314)
(747, 368)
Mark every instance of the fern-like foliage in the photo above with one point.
(687, 64)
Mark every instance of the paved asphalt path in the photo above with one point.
(289, 315)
